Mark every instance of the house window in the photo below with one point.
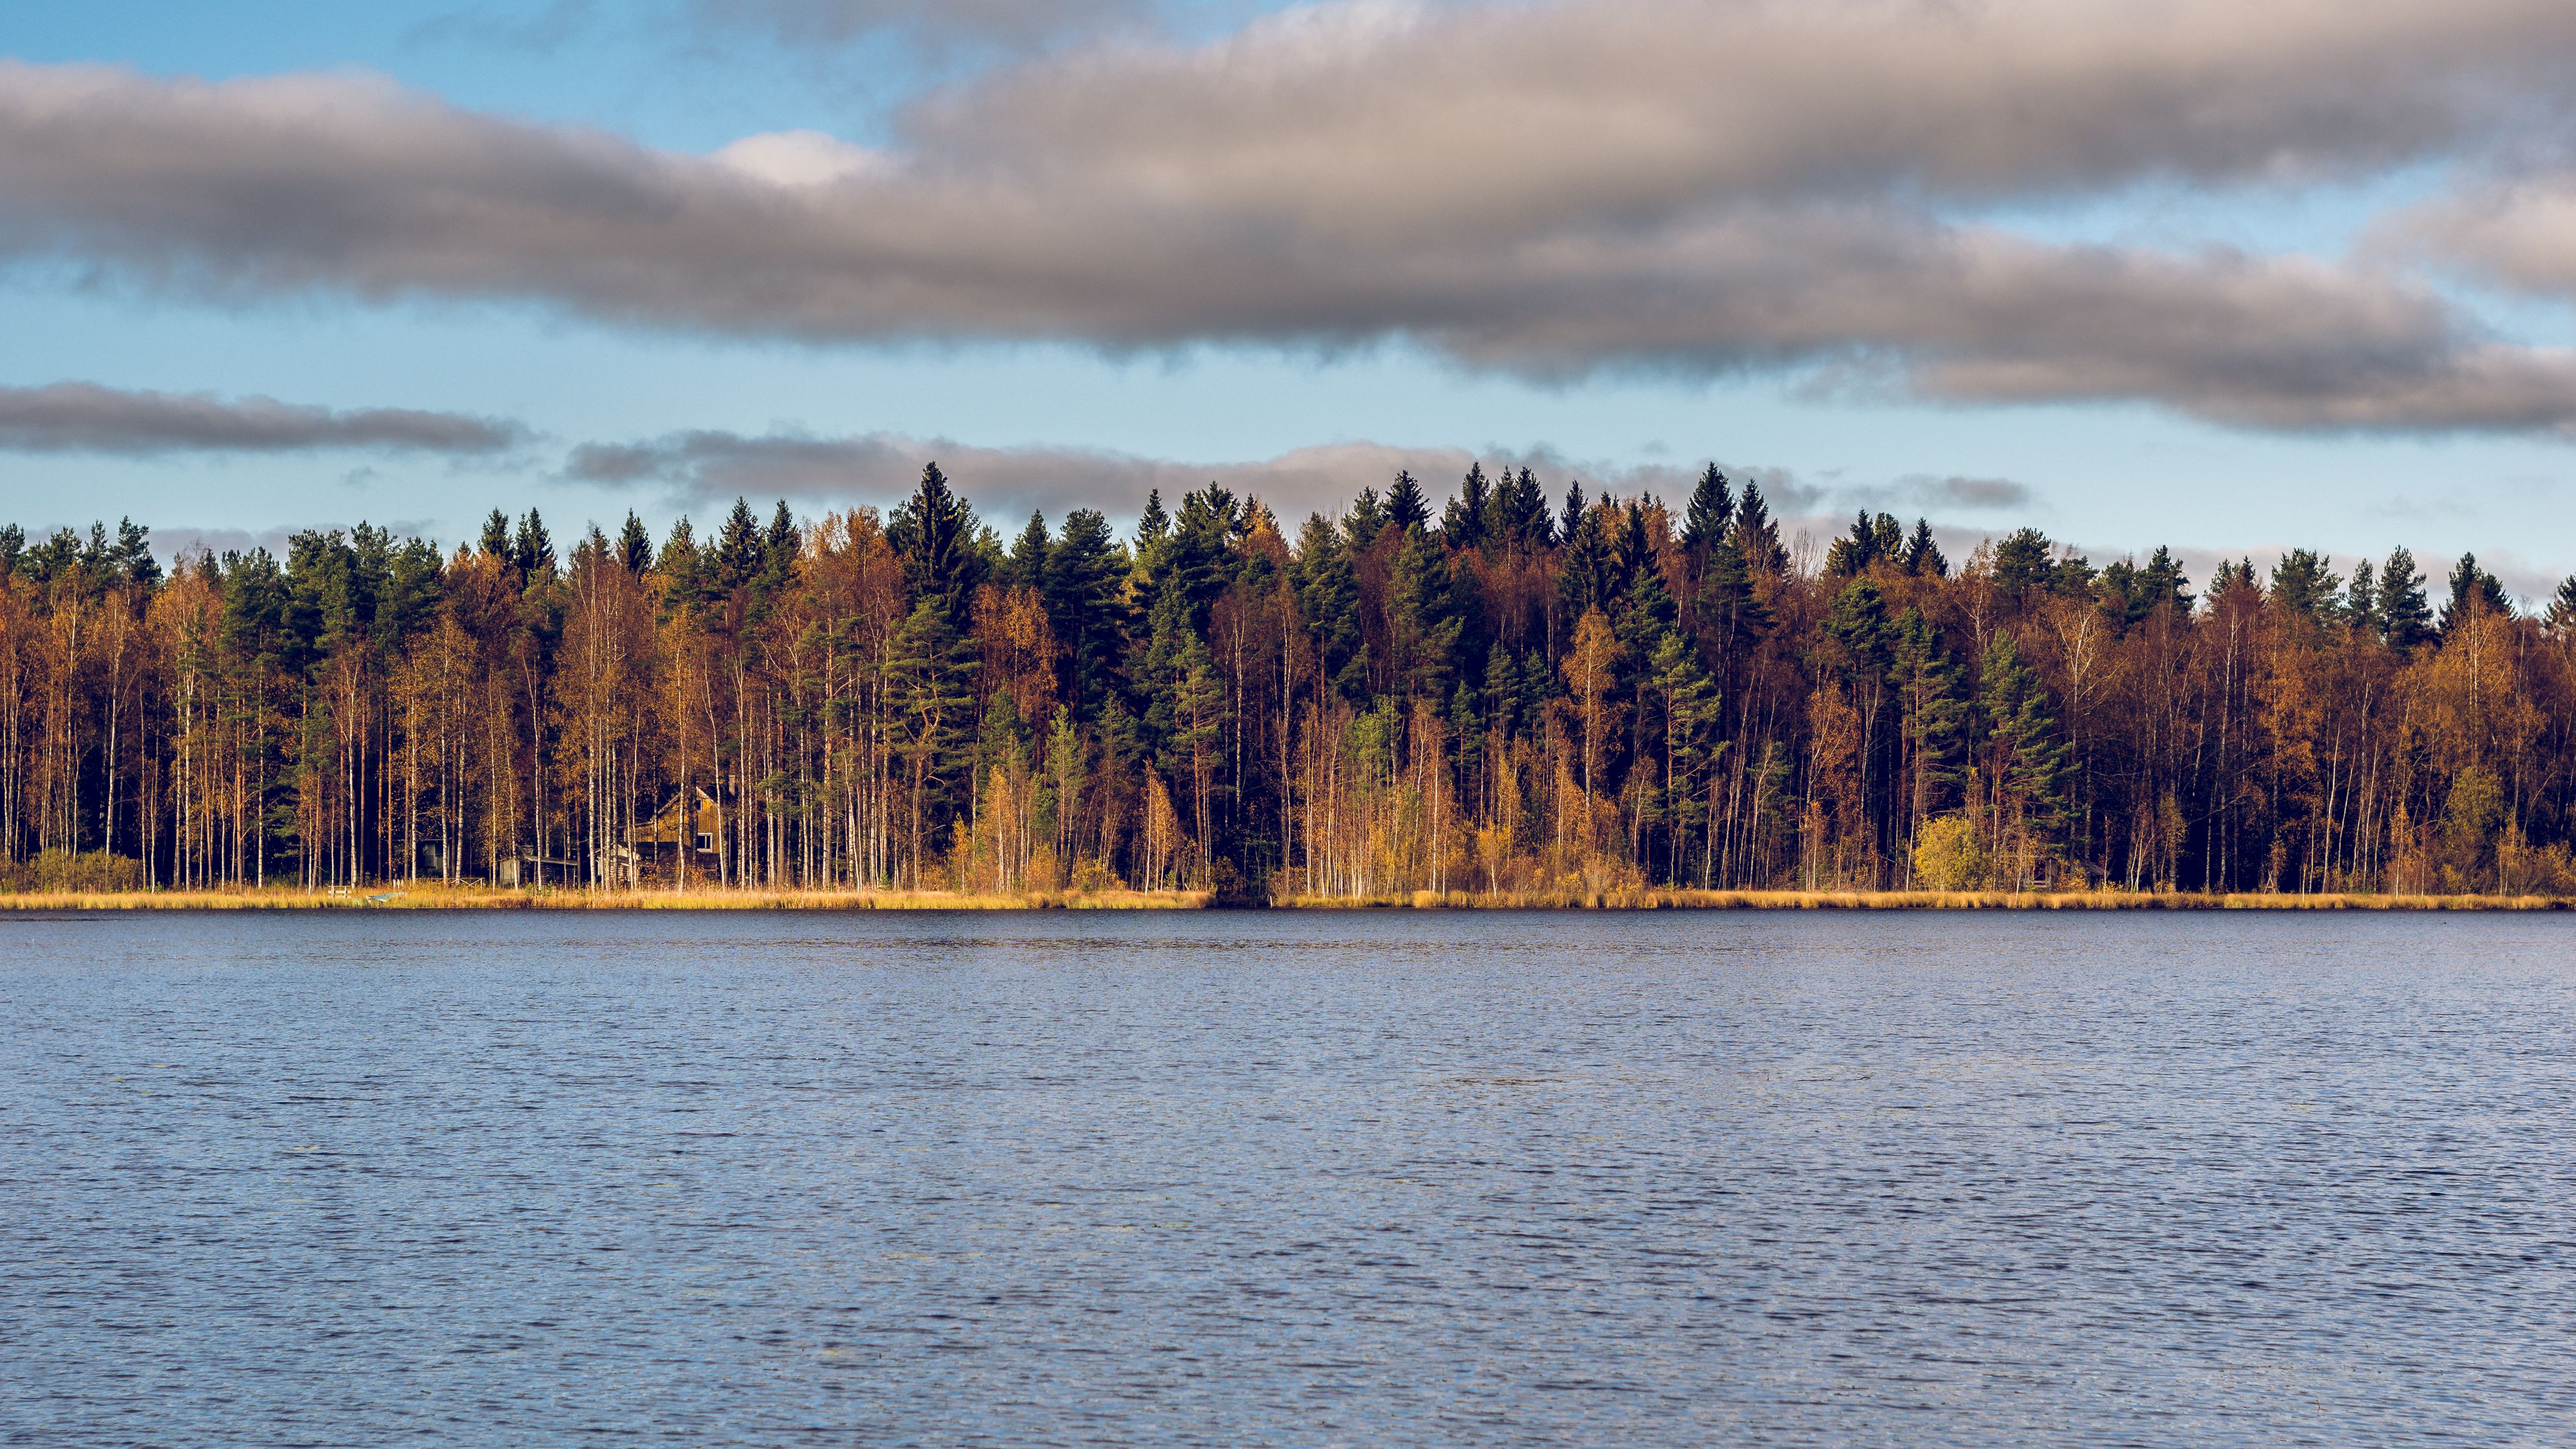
(706, 841)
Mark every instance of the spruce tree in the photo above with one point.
(1464, 524)
(1405, 507)
(1084, 570)
(1328, 596)
(934, 532)
(2560, 620)
(1711, 510)
(1026, 567)
(1922, 558)
(739, 554)
(2405, 620)
(1936, 714)
(1423, 618)
(634, 545)
(2027, 763)
(1520, 513)
(1757, 535)
(2361, 600)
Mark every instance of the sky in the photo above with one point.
(2221, 277)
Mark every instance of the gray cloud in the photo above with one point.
(1552, 189)
(705, 468)
(81, 417)
(2519, 231)
(933, 24)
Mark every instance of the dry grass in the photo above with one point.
(446, 898)
(439, 897)
(1697, 900)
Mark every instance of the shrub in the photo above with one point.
(93, 872)
(1948, 856)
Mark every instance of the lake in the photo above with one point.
(1271, 1178)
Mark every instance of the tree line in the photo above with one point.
(1491, 695)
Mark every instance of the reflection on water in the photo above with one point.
(1246, 1179)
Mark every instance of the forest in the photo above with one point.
(1487, 694)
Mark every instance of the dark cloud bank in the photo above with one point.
(1551, 189)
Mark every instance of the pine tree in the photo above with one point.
(2303, 586)
(2472, 586)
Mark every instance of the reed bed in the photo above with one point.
(1704, 900)
(438, 898)
(442, 898)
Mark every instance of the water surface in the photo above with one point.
(393, 1178)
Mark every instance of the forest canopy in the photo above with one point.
(1493, 692)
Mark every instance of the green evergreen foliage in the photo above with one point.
(1405, 508)
(2472, 585)
(634, 545)
(2029, 757)
(1756, 535)
(1465, 524)
(2405, 619)
(1084, 570)
(2304, 585)
(1362, 711)
(1711, 512)
(935, 534)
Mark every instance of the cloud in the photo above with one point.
(2518, 232)
(82, 417)
(1551, 189)
(708, 468)
(936, 25)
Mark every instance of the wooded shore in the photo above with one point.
(470, 899)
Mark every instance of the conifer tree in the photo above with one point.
(1711, 510)
(1757, 536)
(1922, 557)
(934, 532)
(2405, 620)
(2472, 585)
(634, 545)
(2303, 586)
(1406, 508)
(1083, 572)
(1464, 524)
(2026, 763)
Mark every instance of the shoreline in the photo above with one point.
(442, 898)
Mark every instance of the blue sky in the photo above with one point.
(2114, 467)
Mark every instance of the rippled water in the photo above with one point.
(1294, 1179)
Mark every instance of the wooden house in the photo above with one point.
(683, 831)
